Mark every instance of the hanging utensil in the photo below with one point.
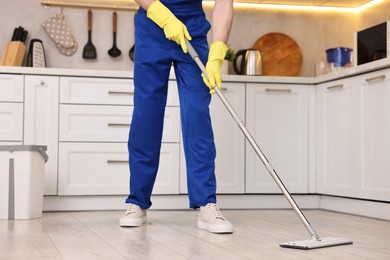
(89, 51)
(131, 52)
(114, 51)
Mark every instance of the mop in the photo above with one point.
(315, 241)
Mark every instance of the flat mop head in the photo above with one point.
(314, 243)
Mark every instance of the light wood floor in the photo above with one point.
(173, 235)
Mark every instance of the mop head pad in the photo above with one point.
(311, 244)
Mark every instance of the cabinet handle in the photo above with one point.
(380, 77)
(224, 89)
(336, 86)
(117, 161)
(118, 124)
(111, 92)
(286, 90)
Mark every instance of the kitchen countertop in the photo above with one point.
(347, 72)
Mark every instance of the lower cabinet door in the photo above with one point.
(90, 123)
(277, 115)
(41, 122)
(11, 121)
(102, 169)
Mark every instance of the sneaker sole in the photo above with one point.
(132, 222)
(218, 229)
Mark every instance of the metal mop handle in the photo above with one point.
(253, 143)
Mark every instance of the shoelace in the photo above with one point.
(214, 208)
(132, 209)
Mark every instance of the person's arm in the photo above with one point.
(222, 20)
(144, 3)
(221, 25)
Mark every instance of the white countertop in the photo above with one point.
(347, 72)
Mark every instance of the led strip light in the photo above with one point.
(131, 5)
(252, 5)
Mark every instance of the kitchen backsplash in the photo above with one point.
(314, 32)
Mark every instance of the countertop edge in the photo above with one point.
(344, 73)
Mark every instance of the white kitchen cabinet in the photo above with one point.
(86, 90)
(41, 122)
(374, 178)
(103, 169)
(229, 142)
(338, 137)
(353, 133)
(277, 116)
(11, 107)
(95, 116)
(11, 88)
(11, 118)
(88, 123)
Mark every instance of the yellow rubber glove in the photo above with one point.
(174, 29)
(217, 55)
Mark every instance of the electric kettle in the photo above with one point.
(250, 62)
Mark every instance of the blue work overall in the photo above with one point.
(154, 55)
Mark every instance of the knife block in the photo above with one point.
(13, 54)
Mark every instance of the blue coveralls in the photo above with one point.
(154, 55)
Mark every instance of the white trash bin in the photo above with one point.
(22, 170)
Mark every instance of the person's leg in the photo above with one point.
(199, 147)
(198, 139)
(151, 72)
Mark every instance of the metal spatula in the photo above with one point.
(89, 51)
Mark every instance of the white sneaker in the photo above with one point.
(211, 219)
(134, 217)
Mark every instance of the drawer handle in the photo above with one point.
(336, 86)
(117, 161)
(381, 77)
(111, 92)
(118, 125)
(224, 89)
(286, 90)
(42, 83)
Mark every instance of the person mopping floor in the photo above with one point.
(161, 28)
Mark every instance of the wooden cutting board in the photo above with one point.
(281, 55)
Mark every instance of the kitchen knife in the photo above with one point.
(14, 34)
(18, 32)
(21, 33)
(24, 37)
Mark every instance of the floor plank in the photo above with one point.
(174, 235)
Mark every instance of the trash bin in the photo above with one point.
(22, 169)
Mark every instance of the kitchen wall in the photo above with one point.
(30, 14)
(314, 31)
(375, 15)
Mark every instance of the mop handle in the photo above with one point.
(255, 146)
